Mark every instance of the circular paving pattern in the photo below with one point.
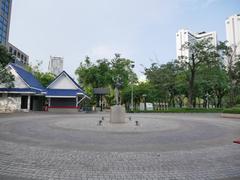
(73, 146)
(149, 124)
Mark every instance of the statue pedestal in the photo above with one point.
(117, 114)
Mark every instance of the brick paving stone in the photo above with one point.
(22, 158)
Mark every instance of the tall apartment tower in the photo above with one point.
(5, 16)
(55, 65)
(233, 32)
(184, 36)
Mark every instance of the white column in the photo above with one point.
(49, 102)
(77, 101)
(28, 103)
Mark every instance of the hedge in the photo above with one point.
(184, 110)
(234, 110)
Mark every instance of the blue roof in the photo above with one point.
(37, 88)
(63, 92)
(21, 90)
(27, 77)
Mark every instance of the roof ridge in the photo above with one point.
(31, 80)
(64, 72)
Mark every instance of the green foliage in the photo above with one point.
(104, 73)
(185, 110)
(140, 89)
(6, 78)
(168, 80)
(212, 80)
(45, 78)
(5, 57)
(228, 54)
(121, 68)
(202, 78)
(202, 53)
(234, 110)
(94, 75)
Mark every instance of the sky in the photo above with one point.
(141, 30)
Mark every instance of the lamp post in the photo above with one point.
(132, 66)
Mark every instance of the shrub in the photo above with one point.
(234, 110)
(184, 110)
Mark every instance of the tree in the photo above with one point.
(164, 79)
(104, 73)
(45, 78)
(5, 57)
(228, 54)
(6, 78)
(181, 87)
(94, 75)
(201, 52)
(212, 81)
(139, 90)
(122, 68)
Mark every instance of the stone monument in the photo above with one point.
(117, 111)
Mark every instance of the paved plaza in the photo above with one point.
(163, 146)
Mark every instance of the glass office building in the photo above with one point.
(5, 14)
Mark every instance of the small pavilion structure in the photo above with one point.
(26, 94)
(64, 94)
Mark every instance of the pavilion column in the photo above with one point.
(28, 102)
(76, 101)
(49, 102)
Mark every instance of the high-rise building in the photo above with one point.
(184, 36)
(19, 55)
(55, 65)
(5, 15)
(233, 32)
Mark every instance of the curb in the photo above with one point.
(226, 115)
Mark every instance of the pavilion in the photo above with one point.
(27, 93)
(64, 94)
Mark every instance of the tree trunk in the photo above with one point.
(219, 101)
(172, 100)
(199, 102)
(191, 88)
(98, 100)
(205, 103)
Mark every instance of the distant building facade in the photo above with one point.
(184, 36)
(5, 16)
(20, 55)
(55, 65)
(233, 32)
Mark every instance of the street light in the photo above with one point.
(132, 66)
